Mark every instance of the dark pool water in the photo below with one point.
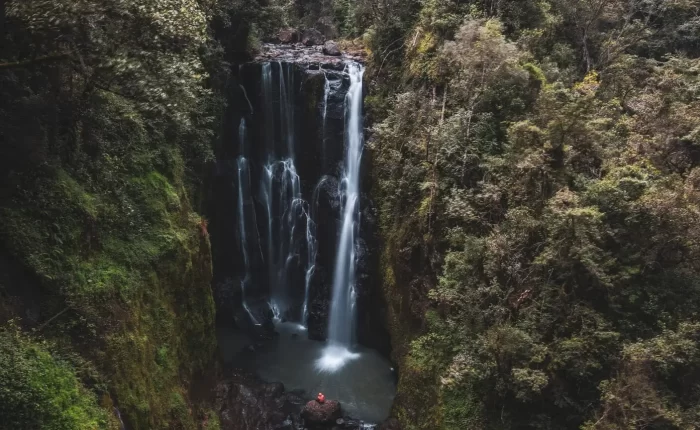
(361, 379)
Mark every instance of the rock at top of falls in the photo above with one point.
(311, 37)
(331, 48)
(310, 56)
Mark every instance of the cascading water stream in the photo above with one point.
(243, 196)
(326, 95)
(291, 247)
(342, 313)
(119, 418)
(244, 202)
(300, 225)
(312, 250)
(280, 190)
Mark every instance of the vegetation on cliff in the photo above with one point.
(108, 111)
(547, 152)
(536, 163)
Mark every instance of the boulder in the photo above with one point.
(312, 37)
(331, 48)
(288, 35)
(317, 414)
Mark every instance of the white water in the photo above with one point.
(245, 211)
(364, 387)
(119, 417)
(269, 113)
(326, 94)
(311, 252)
(280, 193)
(243, 196)
(341, 325)
(287, 106)
(285, 210)
(245, 94)
(360, 378)
(312, 248)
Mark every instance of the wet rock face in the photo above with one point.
(319, 415)
(371, 306)
(312, 37)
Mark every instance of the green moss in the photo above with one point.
(117, 243)
(417, 405)
(462, 409)
(38, 390)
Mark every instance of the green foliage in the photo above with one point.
(127, 258)
(548, 158)
(114, 47)
(40, 391)
(107, 122)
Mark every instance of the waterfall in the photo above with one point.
(284, 206)
(269, 113)
(326, 94)
(310, 264)
(289, 246)
(245, 94)
(244, 202)
(287, 106)
(119, 417)
(342, 312)
(280, 191)
(311, 250)
(243, 198)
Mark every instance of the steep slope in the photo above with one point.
(536, 164)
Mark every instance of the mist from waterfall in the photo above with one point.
(341, 326)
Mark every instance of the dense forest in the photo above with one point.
(535, 166)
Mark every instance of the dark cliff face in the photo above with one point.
(317, 94)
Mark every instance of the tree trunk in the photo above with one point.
(464, 160)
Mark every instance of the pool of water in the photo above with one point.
(361, 379)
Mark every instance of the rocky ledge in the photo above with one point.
(327, 56)
(244, 402)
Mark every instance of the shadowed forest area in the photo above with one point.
(535, 165)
